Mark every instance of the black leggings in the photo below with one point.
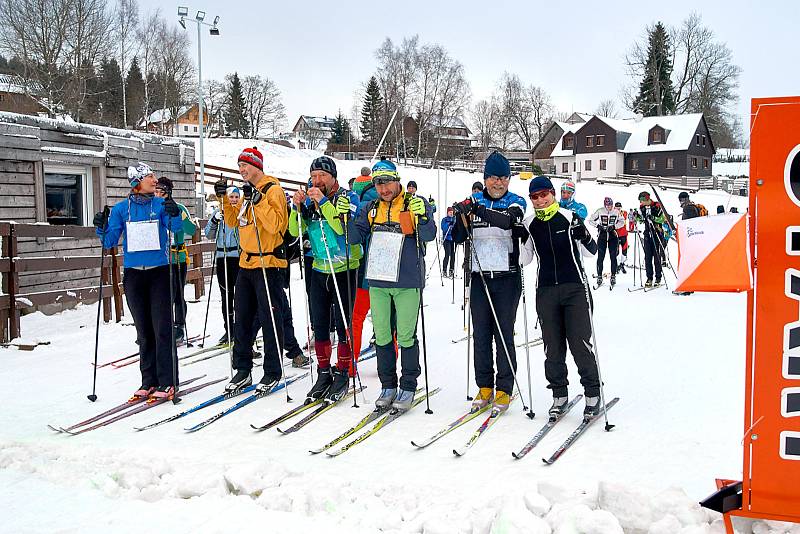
(449, 255)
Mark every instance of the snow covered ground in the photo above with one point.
(677, 363)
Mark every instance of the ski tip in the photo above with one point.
(54, 429)
(516, 457)
(415, 445)
(547, 462)
(456, 453)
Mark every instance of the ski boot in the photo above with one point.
(482, 399)
(142, 393)
(657, 282)
(164, 392)
(179, 333)
(501, 402)
(613, 281)
(322, 384)
(224, 339)
(649, 283)
(338, 388)
(301, 361)
(592, 408)
(621, 269)
(267, 383)
(558, 408)
(403, 400)
(240, 380)
(599, 281)
(386, 398)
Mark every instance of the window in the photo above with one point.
(589, 141)
(601, 140)
(651, 164)
(587, 165)
(704, 140)
(670, 163)
(705, 163)
(565, 167)
(568, 142)
(656, 136)
(67, 196)
(602, 164)
(697, 139)
(694, 163)
(634, 164)
(574, 166)
(195, 129)
(185, 128)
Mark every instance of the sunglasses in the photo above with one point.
(383, 180)
(539, 194)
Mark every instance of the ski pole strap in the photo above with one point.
(227, 249)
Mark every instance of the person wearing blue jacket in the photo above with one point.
(568, 200)
(493, 221)
(145, 223)
(227, 260)
(449, 245)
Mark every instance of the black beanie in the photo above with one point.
(324, 163)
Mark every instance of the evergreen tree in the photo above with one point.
(235, 114)
(371, 112)
(134, 94)
(4, 68)
(656, 94)
(110, 97)
(341, 130)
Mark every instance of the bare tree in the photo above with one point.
(126, 20)
(150, 28)
(431, 64)
(88, 41)
(454, 96)
(215, 98)
(607, 108)
(527, 110)
(395, 75)
(36, 31)
(263, 104)
(175, 69)
(486, 116)
(541, 110)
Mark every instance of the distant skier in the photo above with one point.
(622, 234)
(690, 209)
(143, 220)
(568, 200)
(608, 220)
(227, 261)
(562, 299)
(494, 222)
(651, 216)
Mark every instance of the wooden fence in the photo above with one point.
(13, 301)
(213, 173)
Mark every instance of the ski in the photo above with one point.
(531, 343)
(469, 416)
(576, 434)
(207, 356)
(307, 405)
(459, 340)
(548, 426)
(370, 417)
(224, 346)
(486, 425)
(321, 409)
(210, 402)
(392, 415)
(631, 290)
(133, 401)
(151, 402)
(244, 402)
(106, 364)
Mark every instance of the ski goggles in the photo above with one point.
(385, 177)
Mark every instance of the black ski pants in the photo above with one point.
(324, 299)
(232, 263)
(505, 292)
(178, 282)
(449, 256)
(147, 294)
(607, 240)
(652, 256)
(251, 301)
(564, 314)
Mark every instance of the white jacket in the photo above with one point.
(606, 220)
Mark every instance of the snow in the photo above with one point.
(680, 136)
(659, 353)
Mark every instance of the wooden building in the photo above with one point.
(60, 174)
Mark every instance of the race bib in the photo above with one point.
(492, 253)
(383, 259)
(141, 236)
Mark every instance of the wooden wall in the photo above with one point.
(29, 145)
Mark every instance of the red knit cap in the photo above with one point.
(253, 157)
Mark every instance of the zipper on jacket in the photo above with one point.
(553, 249)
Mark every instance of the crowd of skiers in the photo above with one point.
(363, 249)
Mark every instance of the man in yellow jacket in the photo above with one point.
(261, 217)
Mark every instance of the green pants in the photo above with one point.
(406, 305)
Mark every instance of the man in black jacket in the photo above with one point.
(690, 209)
(555, 237)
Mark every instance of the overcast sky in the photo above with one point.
(320, 53)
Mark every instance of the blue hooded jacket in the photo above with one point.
(575, 207)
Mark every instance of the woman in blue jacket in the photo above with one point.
(144, 222)
(227, 259)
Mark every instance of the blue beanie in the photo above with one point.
(496, 165)
(540, 183)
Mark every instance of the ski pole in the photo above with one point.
(173, 347)
(527, 343)
(348, 320)
(491, 304)
(93, 396)
(305, 296)
(269, 302)
(210, 286)
(421, 271)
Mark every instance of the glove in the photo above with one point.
(247, 191)
(171, 207)
(465, 207)
(417, 206)
(100, 219)
(580, 232)
(342, 205)
(220, 188)
(217, 217)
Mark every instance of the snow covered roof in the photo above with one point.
(11, 83)
(164, 115)
(559, 151)
(317, 123)
(447, 122)
(680, 133)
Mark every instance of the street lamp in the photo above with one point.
(183, 13)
